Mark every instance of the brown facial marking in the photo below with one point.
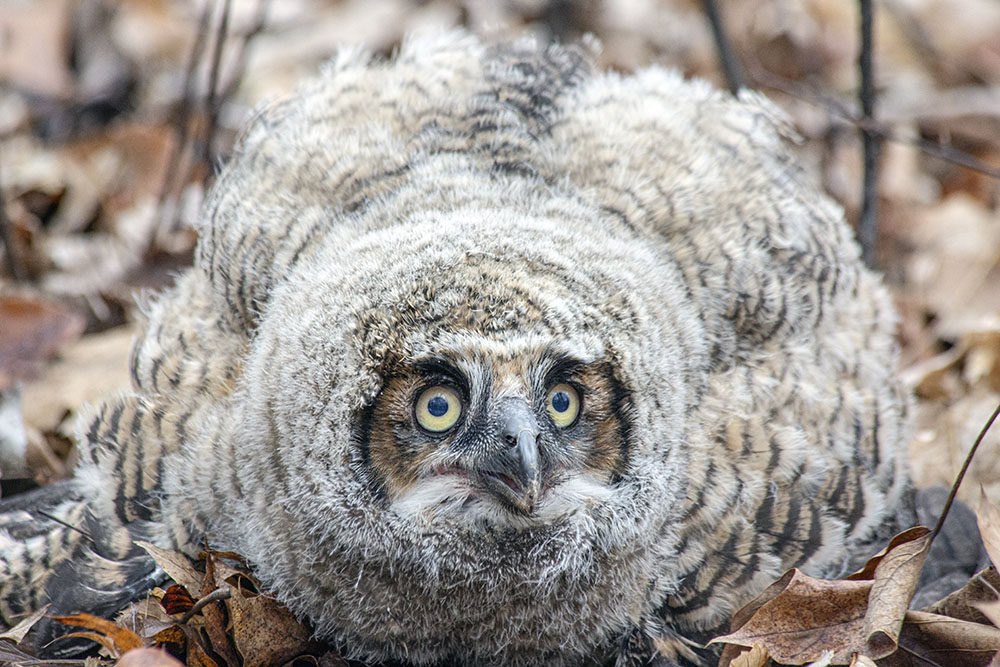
(399, 452)
(602, 407)
(396, 462)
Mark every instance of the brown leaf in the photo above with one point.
(116, 639)
(147, 619)
(897, 572)
(196, 654)
(177, 566)
(86, 371)
(265, 632)
(17, 633)
(988, 517)
(965, 603)
(935, 378)
(862, 661)
(33, 330)
(215, 618)
(173, 634)
(148, 657)
(798, 617)
(909, 535)
(177, 600)
(939, 640)
(991, 610)
(755, 657)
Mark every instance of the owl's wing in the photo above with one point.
(71, 545)
(56, 552)
(800, 417)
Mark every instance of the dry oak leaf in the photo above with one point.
(988, 517)
(800, 617)
(966, 604)
(264, 631)
(17, 633)
(755, 657)
(115, 639)
(33, 330)
(930, 640)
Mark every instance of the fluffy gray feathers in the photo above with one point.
(502, 208)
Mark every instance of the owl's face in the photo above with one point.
(515, 431)
(456, 418)
(484, 379)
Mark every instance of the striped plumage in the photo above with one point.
(501, 221)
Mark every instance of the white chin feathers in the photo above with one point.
(452, 497)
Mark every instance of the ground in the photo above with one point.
(109, 136)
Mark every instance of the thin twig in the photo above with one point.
(52, 517)
(961, 473)
(734, 79)
(182, 125)
(947, 153)
(256, 28)
(215, 98)
(211, 104)
(835, 106)
(221, 593)
(868, 222)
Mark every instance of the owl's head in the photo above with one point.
(474, 367)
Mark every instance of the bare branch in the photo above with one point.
(872, 143)
(961, 473)
(734, 78)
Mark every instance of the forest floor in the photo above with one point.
(109, 137)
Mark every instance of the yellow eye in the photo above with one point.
(438, 408)
(563, 404)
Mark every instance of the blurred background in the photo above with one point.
(115, 115)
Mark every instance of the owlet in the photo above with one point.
(487, 358)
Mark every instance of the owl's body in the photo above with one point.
(410, 277)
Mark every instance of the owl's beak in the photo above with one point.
(514, 475)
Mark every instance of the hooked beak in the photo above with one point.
(514, 475)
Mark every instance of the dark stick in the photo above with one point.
(17, 270)
(729, 65)
(260, 22)
(961, 474)
(835, 106)
(214, 596)
(211, 104)
(51, 517)
(868, 223)
(182, 125)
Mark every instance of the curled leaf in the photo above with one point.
(798, 619)
(988, 517)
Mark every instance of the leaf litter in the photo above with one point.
(96, 209)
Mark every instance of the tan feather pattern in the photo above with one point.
(505, 214)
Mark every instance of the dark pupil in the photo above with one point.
(437, 406)
(560, 401)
